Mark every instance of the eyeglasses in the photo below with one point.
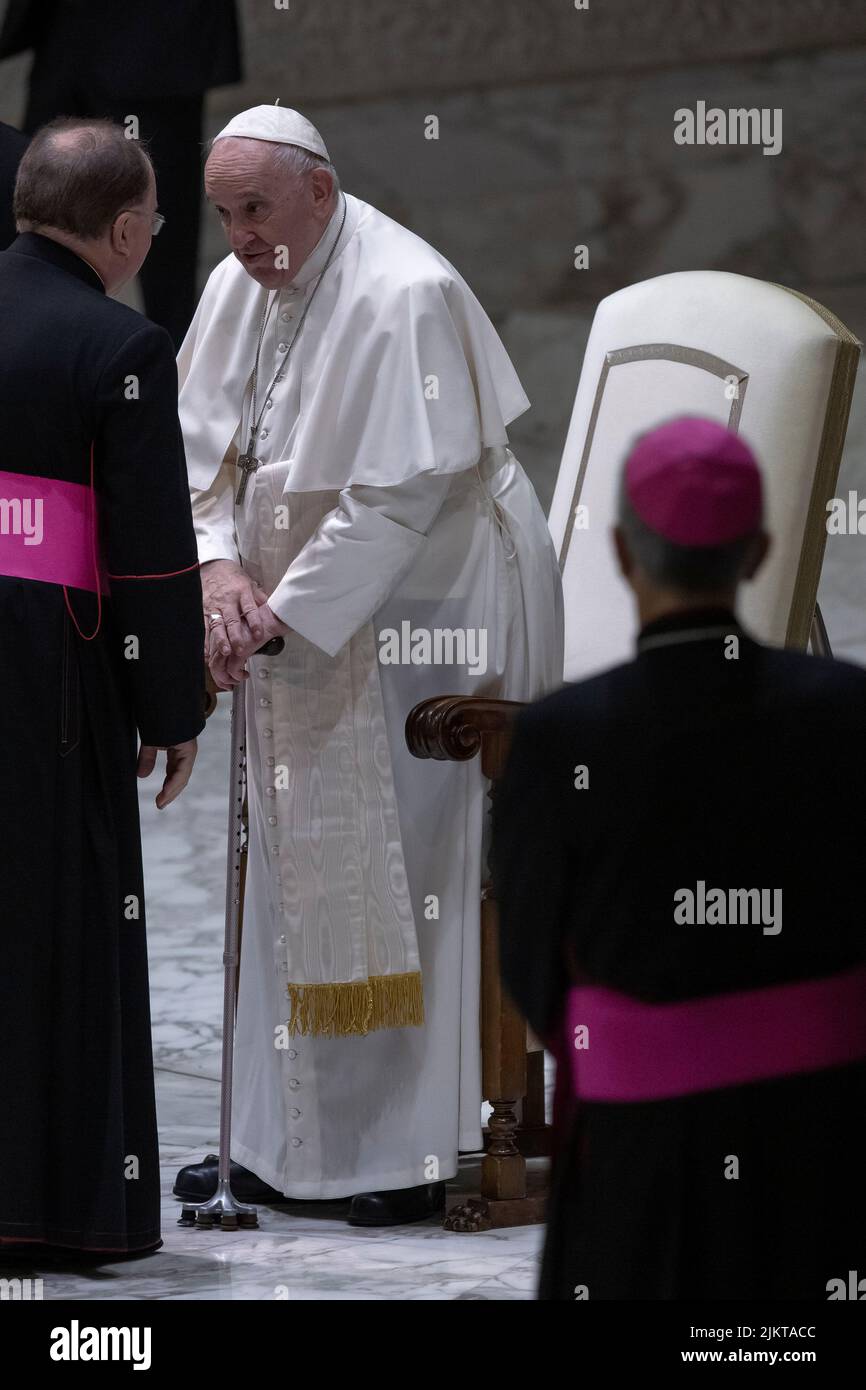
(157, 223)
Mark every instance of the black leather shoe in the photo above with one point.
(198, 1181)
(398, 1207)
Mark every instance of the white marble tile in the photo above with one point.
(517, 1283)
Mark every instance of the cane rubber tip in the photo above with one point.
(229, 1222)
(250, 1223)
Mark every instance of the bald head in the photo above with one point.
(85, 185)
(76, 176)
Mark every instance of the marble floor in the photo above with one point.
(307, 1252)
(311, 1256)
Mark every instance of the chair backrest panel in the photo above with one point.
(752, 355)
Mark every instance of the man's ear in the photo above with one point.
(322, 186)
(119, 234)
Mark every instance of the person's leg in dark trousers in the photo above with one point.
(173, 132)
(172, 129)
(52, 91)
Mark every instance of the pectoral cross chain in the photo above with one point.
(248, 463)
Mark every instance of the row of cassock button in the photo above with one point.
(282, 347)
(294, 1083)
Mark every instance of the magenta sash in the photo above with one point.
(637, 1051)
(47, 532)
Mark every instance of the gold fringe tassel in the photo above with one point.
(383, 1001)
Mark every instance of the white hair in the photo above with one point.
(295, 163)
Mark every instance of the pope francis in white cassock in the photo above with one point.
(344, 401)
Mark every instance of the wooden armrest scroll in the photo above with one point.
(455, 728)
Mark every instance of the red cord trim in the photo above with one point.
(170, 574)
(95, 567)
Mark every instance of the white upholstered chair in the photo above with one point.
(764, 360)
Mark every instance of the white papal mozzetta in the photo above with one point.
(386, 494)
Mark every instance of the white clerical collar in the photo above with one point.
(315, 262)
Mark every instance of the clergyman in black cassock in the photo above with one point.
(78, 1141)
(747, 772)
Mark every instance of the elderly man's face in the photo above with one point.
(267, 216)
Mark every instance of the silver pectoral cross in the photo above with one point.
(248, 463)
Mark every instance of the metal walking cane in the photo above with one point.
(224, 1209)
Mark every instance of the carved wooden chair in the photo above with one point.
(741, 351)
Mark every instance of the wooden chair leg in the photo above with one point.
(534, 1135)
(504, 1199)
(503, 1070)
(456, 728)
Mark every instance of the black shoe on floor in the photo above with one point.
(398, 1207)
(198, 1181)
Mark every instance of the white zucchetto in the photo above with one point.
(278, 124)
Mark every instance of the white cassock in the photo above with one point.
(384, 460)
